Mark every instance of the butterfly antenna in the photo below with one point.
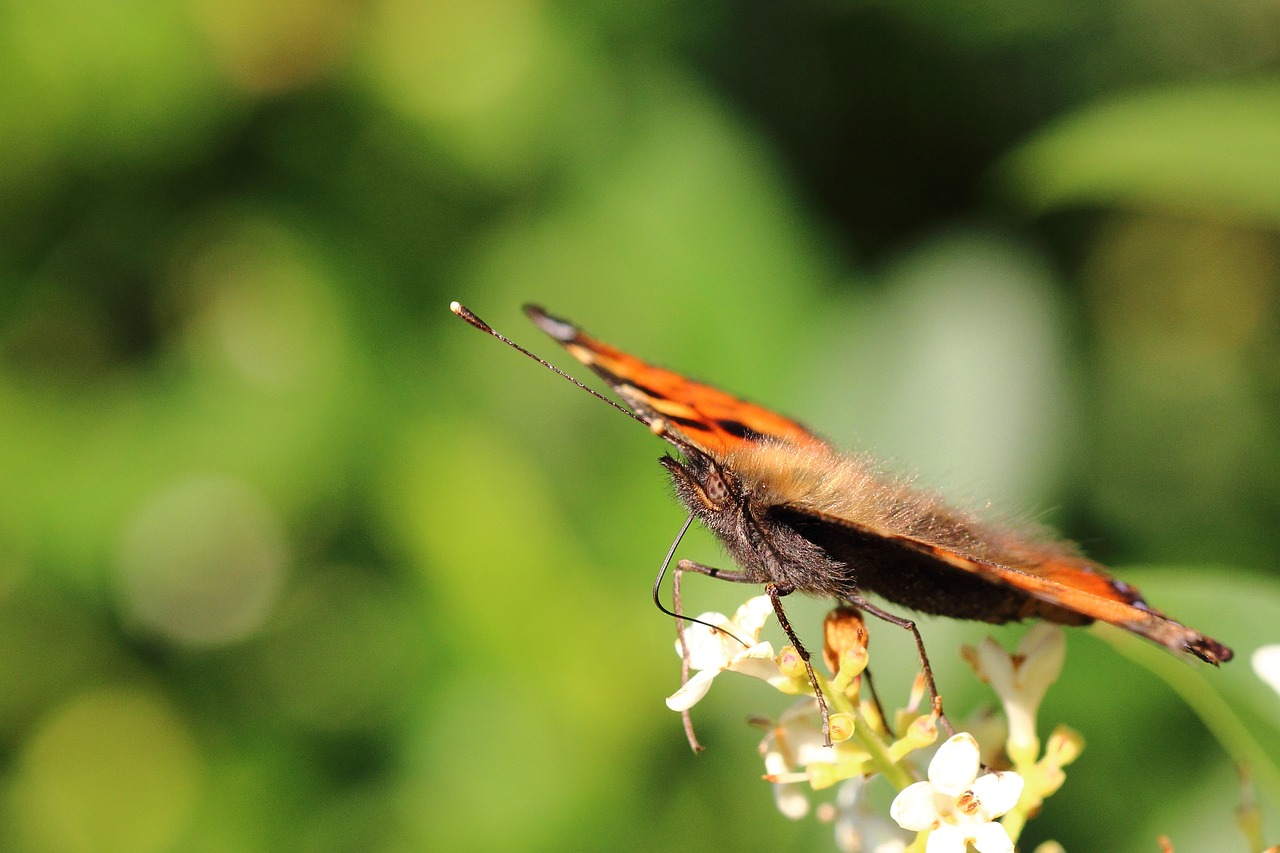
(775, 593)
(467, 314)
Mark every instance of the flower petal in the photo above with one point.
(914, 807)
(791, 799)
(955, 765)
(789, 796)
(857, 833)
(1266, 663)
(760, 661)
(1022, 743)
(946, 839)
(990, 838)
(997, 792)
(1043, 649)
(858, 829)
(880, 836)
(995, 666)
(751, 617)
(692, 691)
(799, 735)
(709, 648)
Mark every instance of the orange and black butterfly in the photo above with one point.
(797, 514)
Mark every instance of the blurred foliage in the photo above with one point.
(290, 559)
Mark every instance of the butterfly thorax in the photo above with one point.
(766, 549)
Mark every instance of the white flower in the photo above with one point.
(858, 829)
(957, 805)
(1021, 680)
(797, 758)
(712, 651)
(1266, 663)
(795, 742)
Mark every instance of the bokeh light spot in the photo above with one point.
(202, 563)
(258, 297)
(448, 60)
(113, 770)
(275, 47)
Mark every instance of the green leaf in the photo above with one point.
(1209, 151)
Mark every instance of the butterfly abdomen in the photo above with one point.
(877, 533)
(905, 575)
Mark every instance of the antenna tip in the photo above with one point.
(465, 313)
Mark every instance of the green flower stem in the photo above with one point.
(897, 774)
(866, 736)
(1203, 699)
(1014, 822)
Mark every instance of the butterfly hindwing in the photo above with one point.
(1071, 593)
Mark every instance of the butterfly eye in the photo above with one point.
(716, 491)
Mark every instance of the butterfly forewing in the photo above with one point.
(707, 417)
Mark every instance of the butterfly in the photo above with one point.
(798, 515)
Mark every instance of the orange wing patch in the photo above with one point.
(1072, 590)
(706, 417)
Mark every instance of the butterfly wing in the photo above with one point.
(926, 576)
(706, 417)
(936, 579)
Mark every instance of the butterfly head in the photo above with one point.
(702, 485)
(716, 497)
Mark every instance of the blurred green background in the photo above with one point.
(291, 559)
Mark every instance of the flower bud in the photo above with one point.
(790, 663)
(921, 732)
(843, 632)
(841, 727)
(1064, 746)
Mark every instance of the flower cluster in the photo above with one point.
(946, 808)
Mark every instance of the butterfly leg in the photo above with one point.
(775, 594)
(875, 697)
(775, 597)
(698, 569)
(685, 717)
(713, 572)
(862, 604)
